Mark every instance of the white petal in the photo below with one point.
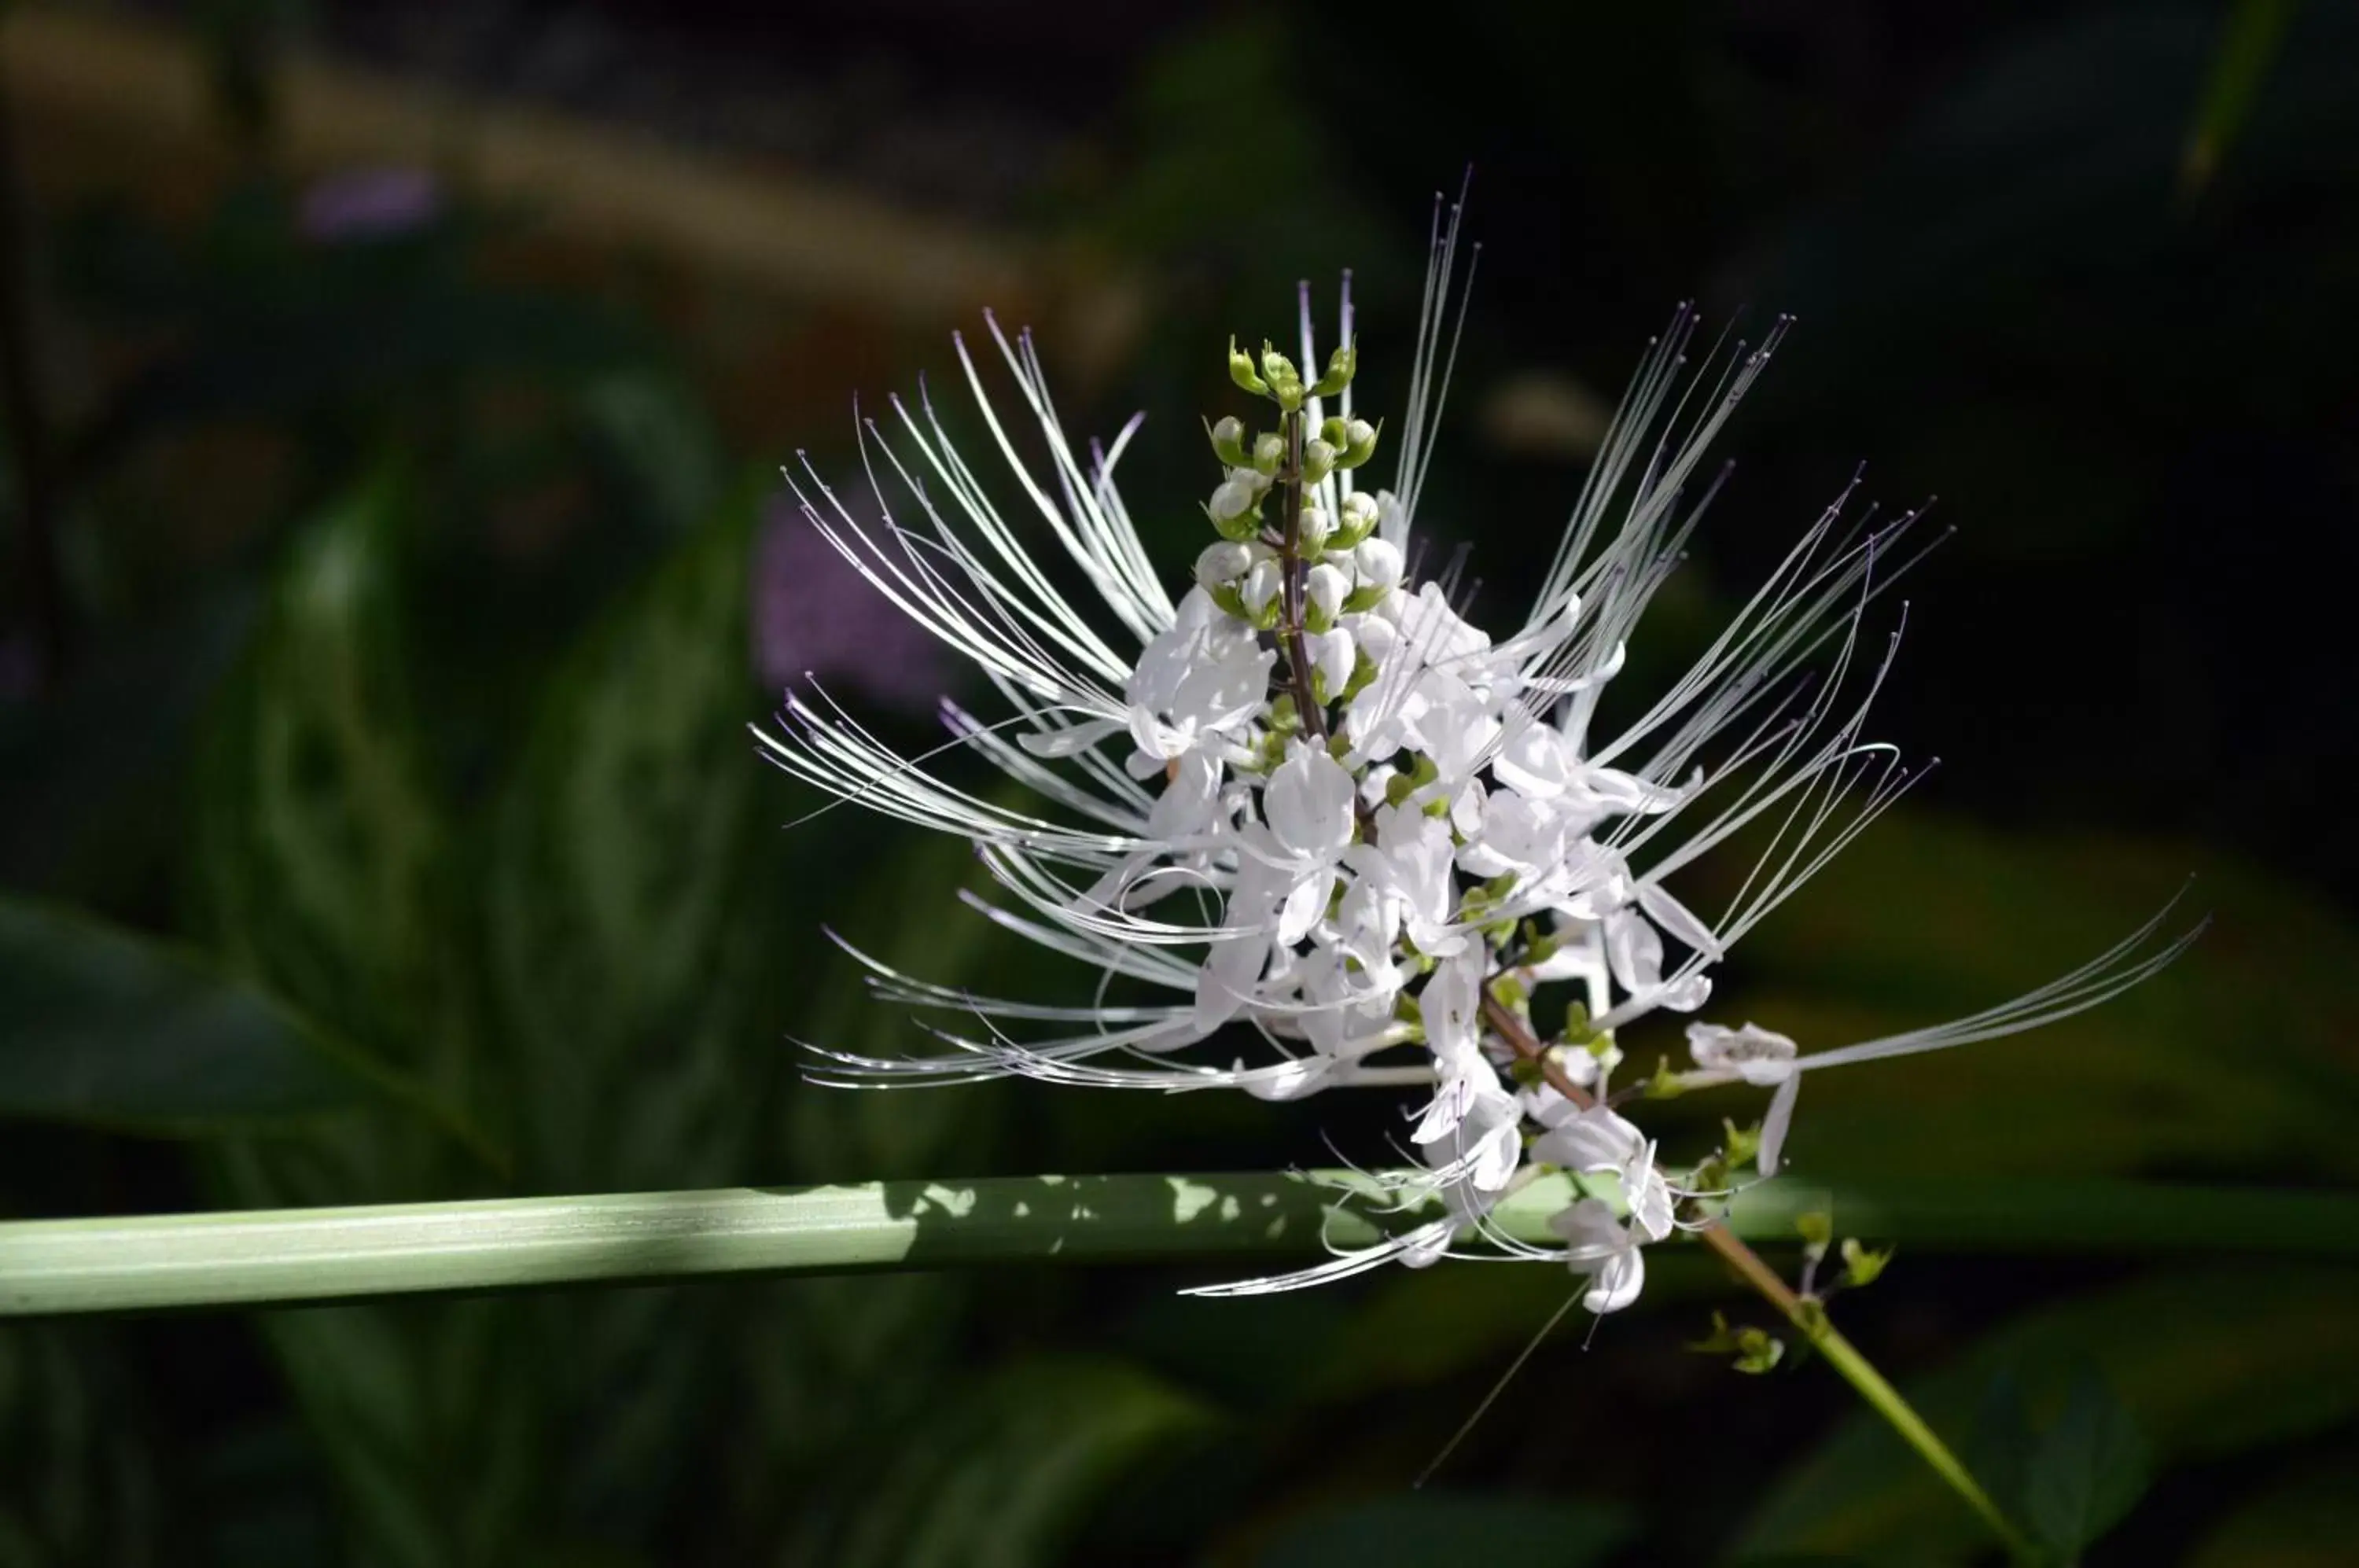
(1309, 804)
(1633, 949)
(1677, 920)
(1304, 905)
(1774, 1125)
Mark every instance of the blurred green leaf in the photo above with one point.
(2207, 1363)
(2237, 1059)
(323, 863)
(2085, 1472)
(1004, 1473)
(2306, 1519)
(663, 442)
(1438, 1529)
(76, 1484)
(618, 886)
(2247, 46)
(321, 853)
(111, 1028)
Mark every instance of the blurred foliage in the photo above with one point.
(397, 836)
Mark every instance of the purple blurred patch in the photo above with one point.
(813, 614)
(369, 204)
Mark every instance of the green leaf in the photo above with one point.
(2208, 1363)
(112, 1029)
(1003, 1474)
(2086, 1471)
(1440, 1530)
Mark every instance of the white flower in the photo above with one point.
(1347, 836)
(1753, 1053)
(1598, 1244)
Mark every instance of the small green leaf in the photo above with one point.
(1442, 1529)
(113, 1029)
(2086, 1471)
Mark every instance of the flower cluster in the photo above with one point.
(1319, 809)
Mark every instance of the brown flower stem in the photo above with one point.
(1297, 569)
(1807, 1313)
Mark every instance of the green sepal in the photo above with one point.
(1341, 366)
(1741, 1146)
(1241, 371)
(1861, 1265)
(1229, 600)
(1231, 451)
(1242, 529)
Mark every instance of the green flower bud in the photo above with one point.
(1317, 527)
(1863, 1264)
(1740, 1145)
(1340, 365)
(1269, 451)
(1277, 367)
(1356, 522)
(1241, 371)
(1336, 433)
(1228, 441)
(1359, 444)
(1318, 460)
(1757, 1350)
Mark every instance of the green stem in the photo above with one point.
(261, 1259)
(1810, 1316)
(1861, 1374)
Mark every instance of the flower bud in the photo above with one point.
(1236, 509)
(1233, 499)
(1341, 366)
(1241, 370)
(1359, 444)
(1357, 522)
(1377, 563)
(1318, 460)
(1276, 367)
(1223, 562)
(1314, 530)
(1324, 591)
(1336, 433)
(1229, 441)
(1262, 584)
(1269, 451)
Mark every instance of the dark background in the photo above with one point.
(395, 396)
